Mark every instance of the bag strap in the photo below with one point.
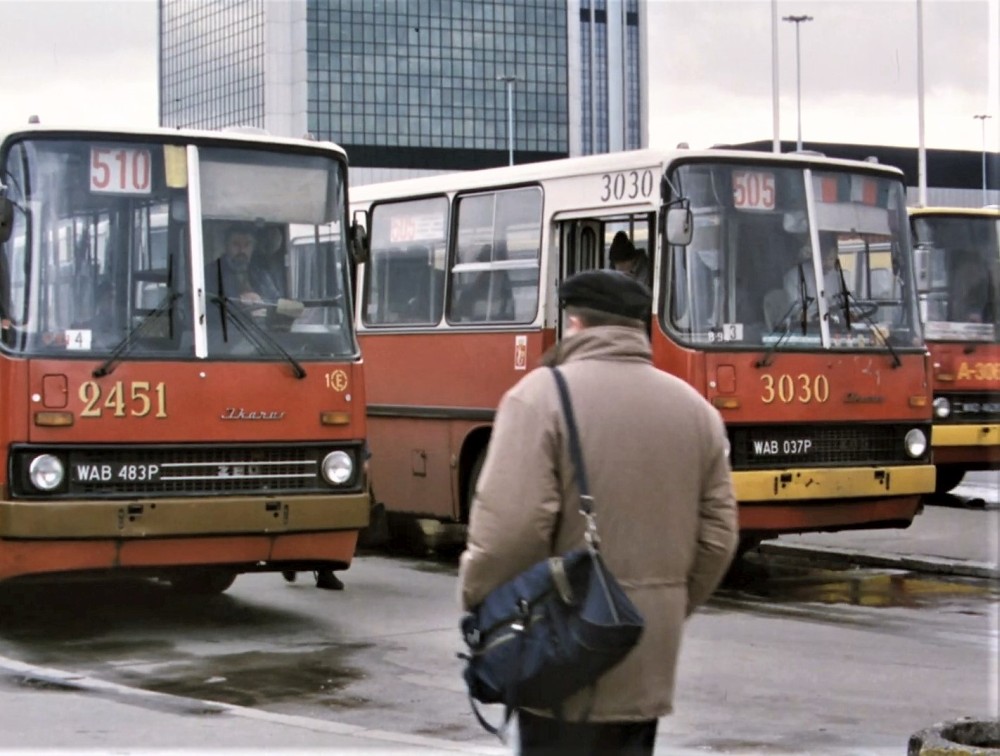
(576, 455)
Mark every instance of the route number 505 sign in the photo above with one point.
(120, 170)
(753, 190)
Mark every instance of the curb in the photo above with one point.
(930, 565)
(183, 705)
(963, 737)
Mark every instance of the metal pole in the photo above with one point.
(510, 121)
(982, 119)
(775, 89)
(797, 20)
(509, 81)
(921, 147)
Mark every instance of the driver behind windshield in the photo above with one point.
(236, 275)
(800, 280)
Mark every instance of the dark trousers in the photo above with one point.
(543, 736)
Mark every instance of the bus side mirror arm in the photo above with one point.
(6, 216)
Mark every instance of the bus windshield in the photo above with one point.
(790, 258)
(958, 275)
(156, 250)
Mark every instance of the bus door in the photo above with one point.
(579, 250)
(584, 243)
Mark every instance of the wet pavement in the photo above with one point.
(955, 534)
(938, 563)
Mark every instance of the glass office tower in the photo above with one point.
(420, 85)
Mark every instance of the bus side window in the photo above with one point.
(405, 288)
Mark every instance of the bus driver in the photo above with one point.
(234, 274)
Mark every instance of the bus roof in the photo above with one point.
(990, 211)
(613, 162)
(231, 136)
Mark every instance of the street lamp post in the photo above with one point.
(509, 81)
(798, 20)
(982, 118)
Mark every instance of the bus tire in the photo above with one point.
(203, 582)
(470, 491)
(947, 478)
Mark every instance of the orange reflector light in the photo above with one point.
(945, 376)
(54, 419)
(726, 402)
(918, 401)
(335, 418)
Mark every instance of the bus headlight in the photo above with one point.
(338, 467)
(942, 408)
(915, 442)
(46, 472)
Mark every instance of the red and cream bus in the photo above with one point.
(958, 280)
(155, 422)
(827, 402)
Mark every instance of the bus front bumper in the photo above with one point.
(165, 518)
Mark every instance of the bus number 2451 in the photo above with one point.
(141, 399)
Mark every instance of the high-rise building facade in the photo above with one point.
(411, 85)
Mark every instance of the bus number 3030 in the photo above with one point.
(802, 388)
(140, 399)
(626, 185)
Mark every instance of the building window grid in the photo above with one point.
(216, 77)
(420, 70)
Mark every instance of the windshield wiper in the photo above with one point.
(844, 294)
(255, 333)
(805, 299)
(864, 312)
(785, 326)
(126, 343)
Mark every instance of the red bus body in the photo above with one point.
(161, 452)
(434, 382)
(964, 344)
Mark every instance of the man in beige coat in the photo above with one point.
(657, 462)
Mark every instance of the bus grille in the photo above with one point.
(767, 446)
(972, 407)
(137, 471)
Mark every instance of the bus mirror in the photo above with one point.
(922, 267)
(358, 245)
(680, 226)
(6, 218)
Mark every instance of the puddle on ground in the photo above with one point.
(782, 582)
(256, 678)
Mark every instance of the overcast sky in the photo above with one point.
(93, 62)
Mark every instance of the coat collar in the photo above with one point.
(602, 343)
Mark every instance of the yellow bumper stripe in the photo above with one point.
(819, 484)
(966, 435)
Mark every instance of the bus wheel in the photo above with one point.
(470, 491)
(203, 582)
(948, 478)
(376, 534)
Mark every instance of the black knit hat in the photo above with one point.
(607, 291)
(621, 248)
